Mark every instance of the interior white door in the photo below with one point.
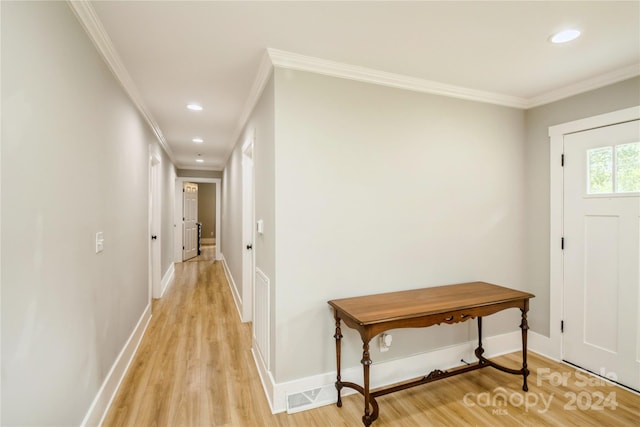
(190, 217)
(155, 194)
(601, 251)
(248, 216)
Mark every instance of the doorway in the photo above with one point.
(600, 248)
(190, 230)
(178, 207)
(601, 212)
(207, 214)
(248, 221)
(155, 203)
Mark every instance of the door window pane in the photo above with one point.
(628, 167)
(600, 167)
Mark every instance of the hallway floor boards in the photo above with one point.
(194, 368)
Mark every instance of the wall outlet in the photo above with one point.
(385, 342)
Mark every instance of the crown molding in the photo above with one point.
(279, 58)
(98, 35)
(585, 86)
(259, 82)
(299, 62)
(295, 61)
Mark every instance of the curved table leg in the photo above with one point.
(367, 419)
(338, 337)
(524, 326)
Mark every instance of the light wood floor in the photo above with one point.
(194, 368)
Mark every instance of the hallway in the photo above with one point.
(188, 370)
(194, 368)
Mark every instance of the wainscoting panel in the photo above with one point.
(261, 316)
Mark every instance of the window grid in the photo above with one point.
(613, 169)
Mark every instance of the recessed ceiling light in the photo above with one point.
(198, 140)
(200, 160)
(565, 36)
(194, 107)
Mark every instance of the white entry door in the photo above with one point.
(601, 251)
(190, 216)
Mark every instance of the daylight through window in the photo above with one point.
(614, 169)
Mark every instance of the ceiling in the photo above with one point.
(170, 53)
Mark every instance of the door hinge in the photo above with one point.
(562, 243)
(562, 160)
(183, 248)
(562, 326)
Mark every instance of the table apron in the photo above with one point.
(368, 331)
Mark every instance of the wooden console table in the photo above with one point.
(374, 314)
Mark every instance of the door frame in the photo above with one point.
(248, 228)
(556, 219)
(155, 224)
(177, 227)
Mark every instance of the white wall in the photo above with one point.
(195, 173)
(379, 189)
(74, 162)
(538, 120)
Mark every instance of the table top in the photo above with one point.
(380, 308)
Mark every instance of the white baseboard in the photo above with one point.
(388, 372)
(232, 285)
(167, 279)
(544, 346)
(102, 402)
(498, 345)
(265, 377)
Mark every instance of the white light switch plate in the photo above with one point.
(99, 242)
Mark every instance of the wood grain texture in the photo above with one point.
(377, 308)
(194, 368)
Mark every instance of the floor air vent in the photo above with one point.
(311, 399)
